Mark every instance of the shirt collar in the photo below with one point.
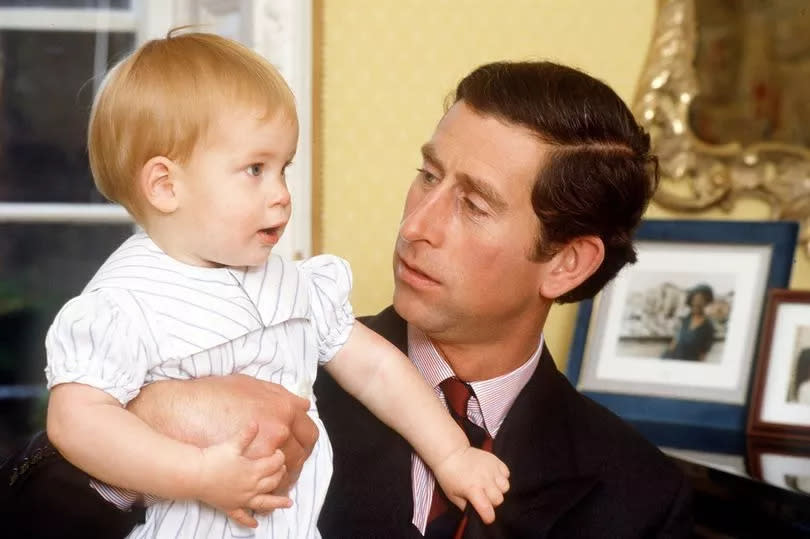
(495, 396)
(263, 295)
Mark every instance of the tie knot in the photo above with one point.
(457, 394)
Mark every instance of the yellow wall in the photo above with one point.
(384, 70)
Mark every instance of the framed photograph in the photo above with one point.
(780, 400)
(672, 339)
(784, 466)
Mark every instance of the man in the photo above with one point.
(529, 191)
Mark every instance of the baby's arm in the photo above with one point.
(93, 431)
(388, 384)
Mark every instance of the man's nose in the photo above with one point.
(426, 217)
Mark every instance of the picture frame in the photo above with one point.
(780, 398)
(633, 351)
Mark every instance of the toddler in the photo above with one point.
(193, 134)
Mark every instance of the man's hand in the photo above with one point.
(211, 410)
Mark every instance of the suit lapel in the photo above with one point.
(391, 326)
(535, 443)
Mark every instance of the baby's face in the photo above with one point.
(234, 202)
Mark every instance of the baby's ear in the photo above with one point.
(157, 182)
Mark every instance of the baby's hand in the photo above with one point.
(228, 480)
(474, 475)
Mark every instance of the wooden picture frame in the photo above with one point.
(780, 397)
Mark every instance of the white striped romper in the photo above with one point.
(146, 317)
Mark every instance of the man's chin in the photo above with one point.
(405, 304)
(414, 308)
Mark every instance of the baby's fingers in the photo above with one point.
(242, 517)
(495, 495)
(270, 482)
(265, 503)
(502, 482)
(271, 465)
(480, 501)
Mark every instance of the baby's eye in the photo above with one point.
(255, 169)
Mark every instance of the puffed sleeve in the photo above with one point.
(330, 283)
(93, 342)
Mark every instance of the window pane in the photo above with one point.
(41, 267)
(102, 4)
(46, 90)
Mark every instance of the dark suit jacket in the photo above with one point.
(576, 469)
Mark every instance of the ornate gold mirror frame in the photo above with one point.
(700, 175)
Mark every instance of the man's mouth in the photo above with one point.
(412, 274)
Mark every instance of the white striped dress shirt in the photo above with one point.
(487, 408)
(146, 317)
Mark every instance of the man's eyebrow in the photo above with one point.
(483, 188)
(472, 183)
(429, 155)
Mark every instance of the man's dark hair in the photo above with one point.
(600, 174)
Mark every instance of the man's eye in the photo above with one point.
(427, 177)
(473, 207)
(255, 169)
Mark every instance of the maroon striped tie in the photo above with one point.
(444, 518)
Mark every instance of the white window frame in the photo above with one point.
(280, 30)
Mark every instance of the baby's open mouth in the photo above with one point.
(270, 235)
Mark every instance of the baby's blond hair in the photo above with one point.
(161, 100)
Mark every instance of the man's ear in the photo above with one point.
(572, 265)
(158, 183)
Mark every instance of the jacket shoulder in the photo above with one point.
(635, 476)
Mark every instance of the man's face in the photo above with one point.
(462, 266)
